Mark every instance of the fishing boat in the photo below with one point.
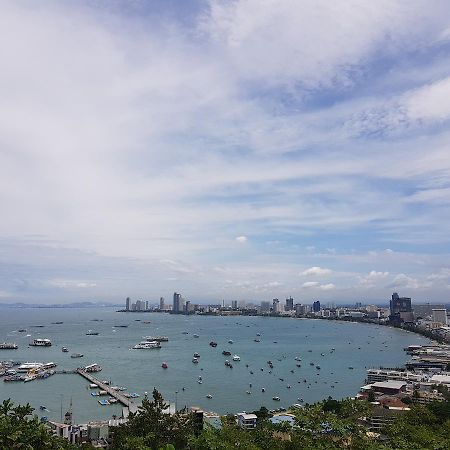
(164, 365)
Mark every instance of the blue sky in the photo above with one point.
(246, 150)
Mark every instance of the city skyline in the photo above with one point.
(246, 150)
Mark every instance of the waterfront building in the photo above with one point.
(276, 306)
(440, 315)
(375, 375)
(316, 306)
(289, 304)
(176, 302)
(161, 304)
(247, 421)
(400, 310)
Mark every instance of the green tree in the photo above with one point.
(152, 428)
(20, 430)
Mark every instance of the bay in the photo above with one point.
(356, 345)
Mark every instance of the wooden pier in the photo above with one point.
(128, 403)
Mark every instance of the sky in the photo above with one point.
(242, 149)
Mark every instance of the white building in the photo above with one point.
(247, 421)
(440, 315)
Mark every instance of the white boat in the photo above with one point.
(156, 338)
(195, 360)
(93, 368)
(25, 367)
(147, 345)
(41, 343)
(236, 358)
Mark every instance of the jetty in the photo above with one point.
(130, 406)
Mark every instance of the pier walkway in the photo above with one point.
(129, 404)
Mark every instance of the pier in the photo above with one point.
(130, 406)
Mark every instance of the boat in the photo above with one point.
(298, 365)
(248, 392)
(257, 340)
(195, 360)
(49, 365)
(157, 338)
(196, 355)
(93, 386)
(258, 334)
(164, 365)
(22, 330)
(209, 396)
(146, 321)
(226, 353)
(41, 343)
(199, 381)
(185, 332)
(147, 345)
(76, 355)
(311, 364)
(26, 367)
(112, 400)
(42, 407)
(121, 326)
(8, 346)
(263, 390)
(64, 349)
(10, 378)
(92, 333)
(104, 402)
(31, 377)
(277, 399)
(213, 344)
(236, 358)
(351, 368)
(134, 395)
(196, 336)
(57, 323)
(93, 368)
(230, 341)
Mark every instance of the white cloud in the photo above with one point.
(373, 278)
(241, 239)
(405, 281)
(316, 271)
(317, 285)
(310, 284)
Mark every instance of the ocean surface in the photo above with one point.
(359, 346)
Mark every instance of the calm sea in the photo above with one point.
(282, 340)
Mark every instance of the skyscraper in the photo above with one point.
(161, 304)
(176, 302)
(316, 306)
(289, 304)
(401, 310)
(440, 315)
(127, 304)
(234, 304)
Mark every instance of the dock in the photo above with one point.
(130, 406)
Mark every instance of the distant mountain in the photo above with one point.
(60, 305)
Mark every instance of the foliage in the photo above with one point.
(20, 430)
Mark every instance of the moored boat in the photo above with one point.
(164, 365)
(8, 346)
(41, 343)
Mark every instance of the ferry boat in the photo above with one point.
(92, 333)
(157, 338)
(41, 343)
(8, 346)
(76, 355)
(147, 345)
(93, 368)
(26, 367)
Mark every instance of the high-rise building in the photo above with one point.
(440, 315)
(265, 307)
(146, 305)
(316, 306)
(186, 307)
(127, 304)
(161, 304)
(223, 303)
(289, 304)
(276, 306)
(176, 302)
(234, 304)
(401, 310)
